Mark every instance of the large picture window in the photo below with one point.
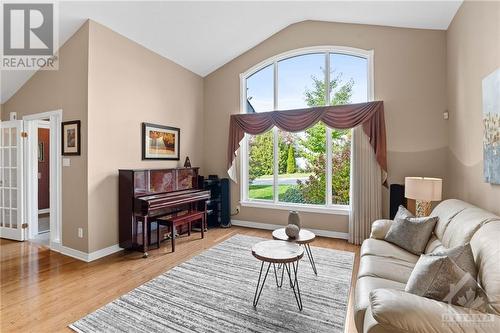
(309, 169)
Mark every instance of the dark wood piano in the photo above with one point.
(147, 194)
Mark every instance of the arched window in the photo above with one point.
(309, 170)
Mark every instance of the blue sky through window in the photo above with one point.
(294, 77)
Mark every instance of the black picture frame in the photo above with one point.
(73, 149)
(168, 130)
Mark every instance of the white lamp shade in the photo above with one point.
(424, 189)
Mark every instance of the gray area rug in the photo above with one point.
(213, 292)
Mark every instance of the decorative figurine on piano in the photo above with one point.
(187, 162)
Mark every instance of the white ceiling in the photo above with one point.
(203, 36)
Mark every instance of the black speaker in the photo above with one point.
(397, 198)
(225, 200)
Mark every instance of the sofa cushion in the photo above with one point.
(486, 248)
(445, 211)
(463, 226)
(385, 268)
(364, 286)
(396, 311)
(434, 276)
(382, 248)
(462, 256)
(403, 213)
(412, 234)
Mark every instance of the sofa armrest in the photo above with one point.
(380, 228)
(403, 312)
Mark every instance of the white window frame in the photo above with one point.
(328, 208)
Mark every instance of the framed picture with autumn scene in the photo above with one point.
(160, 142)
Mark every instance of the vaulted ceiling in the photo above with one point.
(203, 36)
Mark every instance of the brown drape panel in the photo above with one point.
(370, 115)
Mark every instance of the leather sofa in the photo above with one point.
(382, 305)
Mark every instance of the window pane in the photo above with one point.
(301, 81)
(302, 166)
(260, 166)
(260, 91)
(348, 79)
(341, 166)
(349, 84)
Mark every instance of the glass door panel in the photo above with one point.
(11, 203)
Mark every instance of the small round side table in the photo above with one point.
(304, 238)
(282, 253)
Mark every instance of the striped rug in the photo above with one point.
(213, 292)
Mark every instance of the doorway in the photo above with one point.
(43, 178)
(41, 227)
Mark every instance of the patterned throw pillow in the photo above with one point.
(462, 256)
(403, 213)
(439, 278)
(411, 233)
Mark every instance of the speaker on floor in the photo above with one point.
(225, 197)
(397, 197)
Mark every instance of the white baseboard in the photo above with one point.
(104, 252)
(84, 256)
(267, 226)
(44, 211)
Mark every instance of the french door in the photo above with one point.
(11, 180)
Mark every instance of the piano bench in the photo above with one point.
(182, 219)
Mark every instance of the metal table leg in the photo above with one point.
(311, 258)
(257, 297)
(295, 284)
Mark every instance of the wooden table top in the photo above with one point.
(305, 236)
(277, 251)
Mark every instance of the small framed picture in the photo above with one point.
(160, 142)
(71, 137)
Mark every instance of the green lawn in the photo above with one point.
(265, 191)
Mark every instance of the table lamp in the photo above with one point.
(423, 190)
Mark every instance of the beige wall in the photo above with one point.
(409, 77)
(473, 52)
(64, 89)
(128, 85)
(112, 85)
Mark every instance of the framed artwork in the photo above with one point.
(71, 137)
(41, 152)
(160, 142)
(491, 122)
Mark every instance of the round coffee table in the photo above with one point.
(278, 252)
(305, 238)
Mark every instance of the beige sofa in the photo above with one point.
(381, 305)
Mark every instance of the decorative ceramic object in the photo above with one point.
(187, 162)
(292, 230)
(294, 218)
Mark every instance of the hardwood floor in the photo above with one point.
(44, 291)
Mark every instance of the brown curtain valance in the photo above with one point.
(370, 115)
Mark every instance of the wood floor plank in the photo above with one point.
(44, 291)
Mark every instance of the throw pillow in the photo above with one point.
(403, 213)
(462, 256)
(439, 278)
(411, 233)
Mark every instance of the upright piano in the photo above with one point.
(146, 194)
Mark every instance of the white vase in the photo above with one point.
(294, 218)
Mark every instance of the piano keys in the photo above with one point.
(145, 194)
